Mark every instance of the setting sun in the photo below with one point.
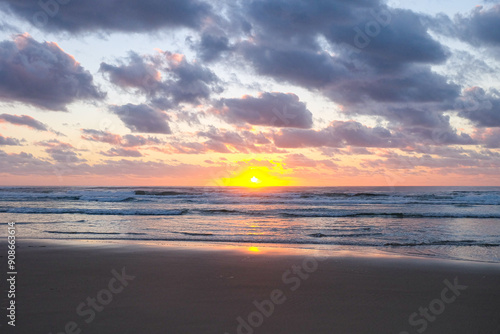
(256, 177)
(255, 180)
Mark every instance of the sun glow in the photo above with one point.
(256, 177)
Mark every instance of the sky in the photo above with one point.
(249, 93)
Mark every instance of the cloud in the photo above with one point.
(137, 73)
(212, 46)
(222, 141)
(186, 148)
(299, 160)
(64, 155)
(101, 136)
(360, 54)
(339, 134)
(243, 142)
(54, 143)
(61, 152)
(115, 139)
(480, 26)
(142, 118)
(135, 140)
(43, 75)
(167, 78)
(9, 141)
(490, 138)
(386, 36)
(122, 152)
(23, 120)
(268, 109)
(420, 123)
(27, 164)
(479, 106)
(464, 163)
(109, 15)
(415, 84)
(294, 64)
(24, 164)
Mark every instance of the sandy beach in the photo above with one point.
(92, 287)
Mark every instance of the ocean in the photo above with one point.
(440, 222)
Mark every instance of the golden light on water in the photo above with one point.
(253, 249)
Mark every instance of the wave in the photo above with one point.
(48, 223)
(221, 211)
(228, 196)
(443, 243)
(163, 193)
(70, 198)
(202, 237)
(342, 194)
(351, 235)
(291, 213)
(330, 214)
(194, 234)
(117, 212)
(95, 233)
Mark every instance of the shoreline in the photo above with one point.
(212, 289)
(293, 248)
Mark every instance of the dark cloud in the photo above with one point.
(190, 82)
(168, 78)
(43, 75)
(389, 38)
(212, 46)
(268, 109)
(355, 52)
(335, 78)
(23, 120)
(416, 84)
(109, 15)
(307, 68)
(122, 152)
(481, 26)
(142, 118)
(339, 134)
(138, 73)
(479, 106)
(386, 36)
(421, 123)
(9, 141)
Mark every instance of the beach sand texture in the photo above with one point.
(140, 288)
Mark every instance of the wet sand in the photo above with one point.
(89, 287)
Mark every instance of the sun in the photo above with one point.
(256, 177)
(254, 180)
